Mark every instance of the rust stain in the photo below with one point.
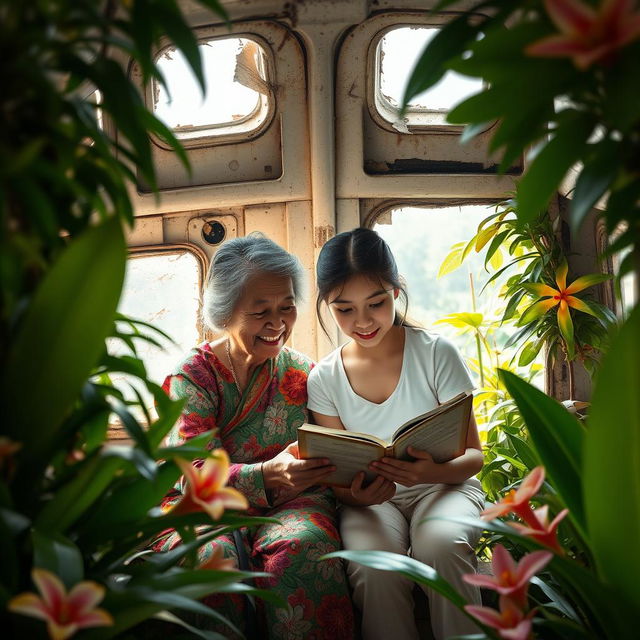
(322, 234)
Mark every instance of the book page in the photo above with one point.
(348, 455)
(443, 436)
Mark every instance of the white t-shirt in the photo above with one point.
(432, 373)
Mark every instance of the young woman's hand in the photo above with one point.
(288, 471)
(376, 492)
(422, 470)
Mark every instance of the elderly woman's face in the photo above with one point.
(263, 317)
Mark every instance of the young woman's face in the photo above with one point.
(263, 317)
(364, 309)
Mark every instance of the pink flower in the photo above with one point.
(206, 489)
(510, 621)
(588, 35)
(509, 578)
(518, 501)
(544, 533)
(64, 613)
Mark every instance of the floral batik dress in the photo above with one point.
(253, 428)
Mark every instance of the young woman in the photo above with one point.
(387, 373)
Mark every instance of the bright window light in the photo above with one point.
(398, 52)
(162, 289)
(236, 83)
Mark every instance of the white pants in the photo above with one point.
(385, 598)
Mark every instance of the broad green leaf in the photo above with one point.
(558, 440)
(551, 164)
(59, 555)
(524, 451)
(62, 335)
(449, 42)
(74, 498)
(530, 353)
(409, 567)
(200, 633)
(595, 178)
(611, 468)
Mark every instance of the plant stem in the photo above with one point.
(477, 332)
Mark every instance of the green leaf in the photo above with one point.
(74, 498)
(530, 353)
(612, 464)
(409, 567)
(595, 178)
(449, 42)
(62, 336)
(558, 440)
(551, 164)
(200, 633)
(452, 260)
(59, 555)
(524, 451)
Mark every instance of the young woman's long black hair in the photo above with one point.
(358, 252)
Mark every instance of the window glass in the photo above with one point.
(234, 68)
(421, 239)
(397, 53)
(161, 289)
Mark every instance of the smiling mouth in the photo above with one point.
(367, 336)
(271, 339)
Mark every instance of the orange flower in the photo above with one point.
(544, 533)
(562, 296)
(217, 562)
(206, 489)
(518, 501)
(586, 35)
(64, 613)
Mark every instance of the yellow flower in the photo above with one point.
(564, 298)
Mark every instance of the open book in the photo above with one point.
(442, 432)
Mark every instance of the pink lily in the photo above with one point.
(206, 489)
(64, 613)
(545, 533)
(588, 35)
(510, 621)
(562, 296)
(517, 501)
(509, 578)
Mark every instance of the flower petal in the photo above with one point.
(495, 511)
(189, 471)
(561, 275)
(490, 617)
(502, 562)
(570, 16)
(556, 521)
(586, 281)
(29, 604)
(537, 309)
(556, 46)
(530, 485)
(61, 631)
(580, 305)
(85, 596)
(541, 290)
(51, 588)
(566, 324)
(532, 563)
(522, 631)
(95, 618)
(233, 499)
(479, 580)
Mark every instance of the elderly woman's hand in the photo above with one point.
(287, 470)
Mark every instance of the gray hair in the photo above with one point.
(235, 262)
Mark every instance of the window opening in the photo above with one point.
(237, 96)
(396, 54)
(421, 239)
(163, 289)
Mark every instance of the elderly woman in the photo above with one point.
(248, 390)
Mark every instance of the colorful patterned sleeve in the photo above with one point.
(199, 416)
